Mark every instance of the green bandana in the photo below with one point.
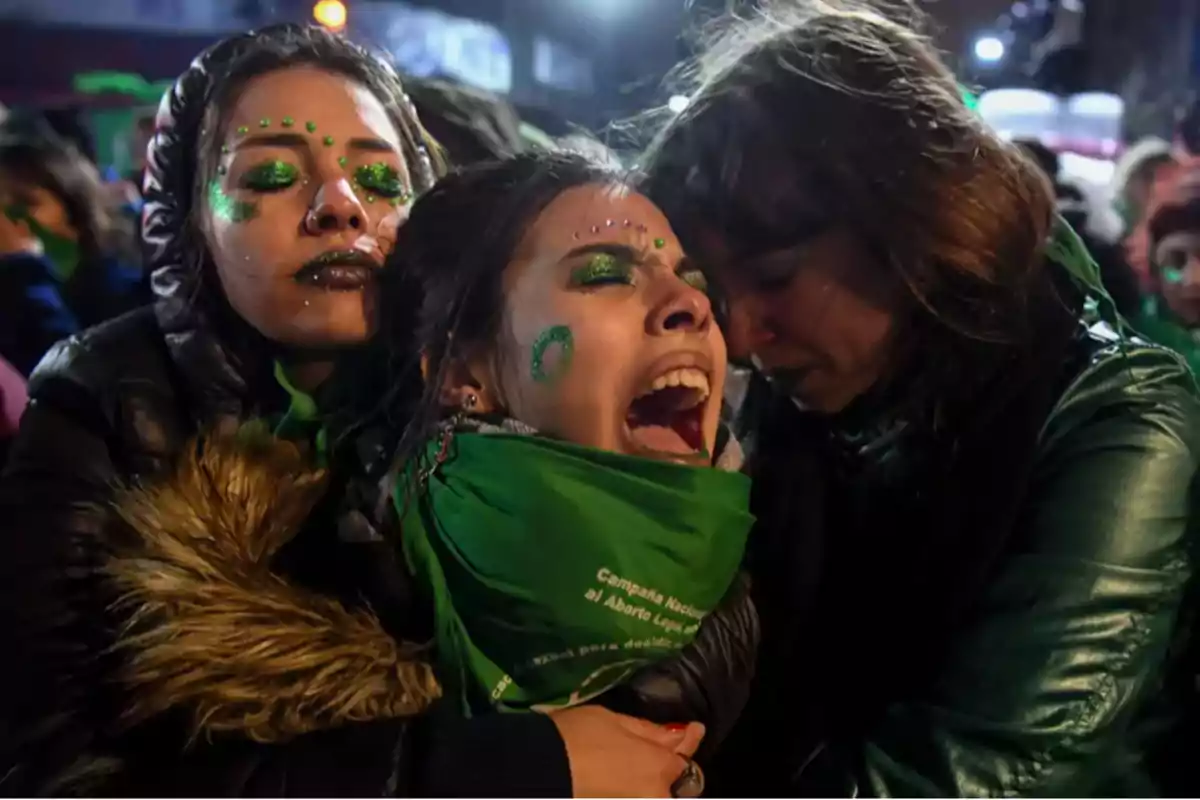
(556, 570)
(302, 420)
(63, 254)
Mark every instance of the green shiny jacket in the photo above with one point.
(1161, 327)
(1074, 675)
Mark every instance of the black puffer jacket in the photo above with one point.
(119, 404)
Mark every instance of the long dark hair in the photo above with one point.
(442, 289)
(825, 114)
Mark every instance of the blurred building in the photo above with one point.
(1146, 52)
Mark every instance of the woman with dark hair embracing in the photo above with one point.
(974, 487)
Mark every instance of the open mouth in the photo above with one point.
(339, 271)
(668, 416)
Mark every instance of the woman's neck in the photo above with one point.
(307, 374)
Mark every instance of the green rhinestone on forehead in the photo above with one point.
(342, 161)
(328, 141)
(660, 243)
(287, 122)
(264, 122)
(242, 130)
(311, 126)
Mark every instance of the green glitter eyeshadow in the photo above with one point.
(601, 269)
(271, 176)
(380, 179)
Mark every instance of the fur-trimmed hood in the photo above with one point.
(213, 632)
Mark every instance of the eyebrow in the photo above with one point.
(368, 144)
(616, 250)
(274, 140)
(371, 145)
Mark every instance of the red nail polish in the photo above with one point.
(676, 727)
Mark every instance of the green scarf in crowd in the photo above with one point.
(556, 570)
(63, 254)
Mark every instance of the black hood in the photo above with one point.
(215, 352)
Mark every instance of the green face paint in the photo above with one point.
(226, 208)
(556, 343)
(62, 253)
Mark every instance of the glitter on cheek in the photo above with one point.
(550, 357)
(228, 209)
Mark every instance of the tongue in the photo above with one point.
(656, 423)
(687, 425)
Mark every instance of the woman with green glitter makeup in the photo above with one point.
(282, 165)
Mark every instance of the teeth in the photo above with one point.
(688, 376)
